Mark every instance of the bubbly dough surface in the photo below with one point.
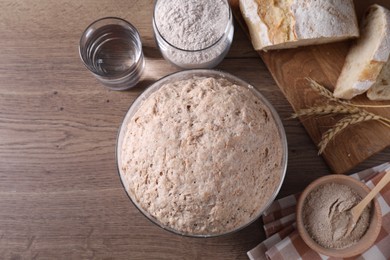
(202, 156)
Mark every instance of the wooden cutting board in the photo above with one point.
(323, 63)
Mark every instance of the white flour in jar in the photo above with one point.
(193, 25)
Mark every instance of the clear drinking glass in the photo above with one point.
(111, 49)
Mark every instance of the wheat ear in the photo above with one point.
(324, 91)
(326, 110)
(342, 124)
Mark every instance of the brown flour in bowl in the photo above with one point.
(325, 218)
(202, 156)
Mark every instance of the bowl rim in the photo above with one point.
(354, 249)
(189, 74)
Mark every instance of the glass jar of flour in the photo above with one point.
(193, 33)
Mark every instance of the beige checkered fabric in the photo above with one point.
(284, 242)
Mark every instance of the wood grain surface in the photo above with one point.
(323, 63)
(60, 193)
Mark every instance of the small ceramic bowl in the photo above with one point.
(368, 238)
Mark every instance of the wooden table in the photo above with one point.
(60, 194)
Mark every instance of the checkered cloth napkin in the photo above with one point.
(284, 242)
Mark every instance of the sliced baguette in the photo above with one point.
(381, 88)
(364, 67)
(285, 24)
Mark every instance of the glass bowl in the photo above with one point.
(183, 75)
(205, 58)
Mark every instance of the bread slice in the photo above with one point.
(364, 66)
(381, 88)
(281, 24)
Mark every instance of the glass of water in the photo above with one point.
(111, 49)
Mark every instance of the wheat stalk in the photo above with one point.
(324, 91)
(353, 119)
(356, 113)
(384, 121)
(326, 110)
(329, 95)
(371, 106)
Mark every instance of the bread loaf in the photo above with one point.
(366, 65)
(280, 24)
(381, 88)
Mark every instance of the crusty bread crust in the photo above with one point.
(368, 56)
(381, 88)
(292, 23)
(202, 156)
